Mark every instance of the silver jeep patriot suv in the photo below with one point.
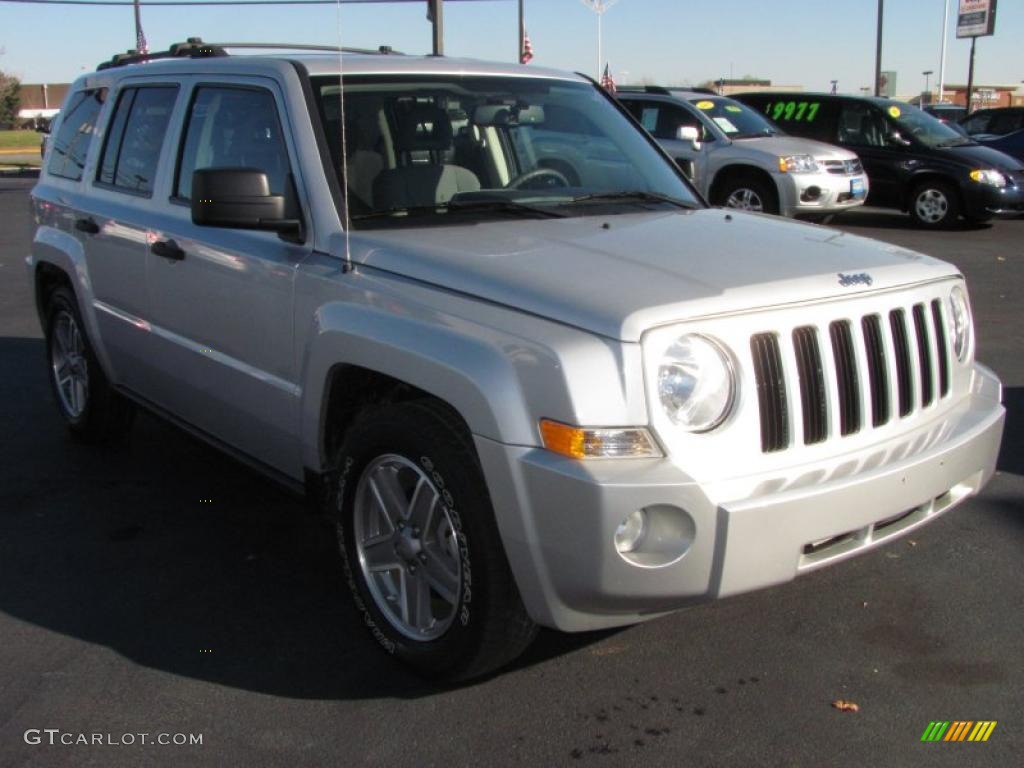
(484, 320)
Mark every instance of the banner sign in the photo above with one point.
(977, 18)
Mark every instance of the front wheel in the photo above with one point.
(419, 543)
(935, 204)
(748, 193)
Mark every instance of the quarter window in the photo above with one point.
(136, 136)
(71, 144)
(233, 128)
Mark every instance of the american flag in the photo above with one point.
(607, 81)
(527, 55)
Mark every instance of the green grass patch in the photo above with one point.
(19, 140)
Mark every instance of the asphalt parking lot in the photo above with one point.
(129, 606)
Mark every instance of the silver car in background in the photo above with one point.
(740, 160)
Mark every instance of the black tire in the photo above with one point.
(99, 414)
(935, 204)
(747, 192)
(489, 626)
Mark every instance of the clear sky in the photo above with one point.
(793, 42)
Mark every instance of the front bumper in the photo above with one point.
(558, 517)
(821, 193)
(982, 201)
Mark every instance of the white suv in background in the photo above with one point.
(740, 160)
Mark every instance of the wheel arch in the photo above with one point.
(934, 176)
(737, 171)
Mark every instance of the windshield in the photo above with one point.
(735, 120)
(464, 147)
(928, 130)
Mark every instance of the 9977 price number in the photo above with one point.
(793, 110)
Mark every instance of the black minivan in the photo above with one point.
(914, 162)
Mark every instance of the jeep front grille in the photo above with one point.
(872, 359)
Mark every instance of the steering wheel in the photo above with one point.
(538, 173)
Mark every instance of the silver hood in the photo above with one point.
(784, 146)
(645, 269)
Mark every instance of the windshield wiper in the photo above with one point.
(468, 206)
(633, 196)
(502, 205)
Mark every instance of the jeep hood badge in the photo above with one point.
(861, 278)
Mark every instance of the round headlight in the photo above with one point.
(696, 383)
(960, 317)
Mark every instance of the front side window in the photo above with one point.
(69, 148)
(860, 125)
(468, 146)
(135, 138)
(233, 127)
(911, 122)
(735, 120)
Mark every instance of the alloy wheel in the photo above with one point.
(69, 364)
(409, 551)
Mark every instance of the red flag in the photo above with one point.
(527, 55)
(607, 81)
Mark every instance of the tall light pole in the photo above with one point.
(600, 7)
(878, 53)
(942, 56)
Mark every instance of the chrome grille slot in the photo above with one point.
(941, 347)
(771, 392)
(878, 369)
(813, 396)
(901, 351)
(924, 355)
(846, 377)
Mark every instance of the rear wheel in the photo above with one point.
(92, 410)
(420, 546)
(935, 204)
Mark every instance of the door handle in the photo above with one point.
(167, 249)
(87, 225)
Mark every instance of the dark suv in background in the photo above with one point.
(1001, 128)
(914, 162)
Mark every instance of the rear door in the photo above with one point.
(222, 298)
(113, 216)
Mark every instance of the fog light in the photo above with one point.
(810, 194)
(631, 531)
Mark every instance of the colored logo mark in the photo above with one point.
(958, 730)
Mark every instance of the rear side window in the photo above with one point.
(233, 127)
(70, 146)
(135, 138)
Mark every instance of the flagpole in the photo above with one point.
(942, 55)
(522, 30)
(138, 25)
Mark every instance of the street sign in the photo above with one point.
(977, 18)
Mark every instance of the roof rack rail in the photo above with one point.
(708, 91)
(660, 90)
(193, 48)
(382, 50)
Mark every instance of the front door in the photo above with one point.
(221, 299)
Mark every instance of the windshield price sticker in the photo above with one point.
(795, 111)
(894, 111)
(705, 104)
(733, 108)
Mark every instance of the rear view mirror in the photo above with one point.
(239, 198)
(689, 133)
(508, 114)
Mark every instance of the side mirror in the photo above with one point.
(239, 198)
(689, 133)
